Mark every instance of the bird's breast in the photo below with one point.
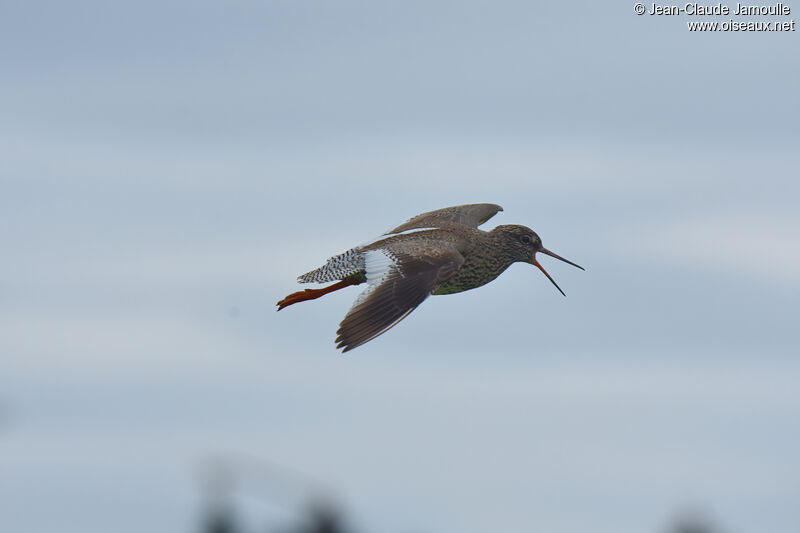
(471, 275)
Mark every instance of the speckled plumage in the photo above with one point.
(439, 252)
(336, 268)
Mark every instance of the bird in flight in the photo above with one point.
(438, 252)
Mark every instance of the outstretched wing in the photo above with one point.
(472, 215)
(398, 283)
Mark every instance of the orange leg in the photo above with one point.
(311, 294)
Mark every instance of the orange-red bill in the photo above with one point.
(540, 267)
(551, 254)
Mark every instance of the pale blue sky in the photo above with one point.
(168, 169)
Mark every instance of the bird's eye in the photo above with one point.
(526, 239)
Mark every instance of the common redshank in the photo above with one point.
(439, 252)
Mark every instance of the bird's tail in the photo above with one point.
(337, 267)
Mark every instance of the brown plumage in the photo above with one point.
(439, 252)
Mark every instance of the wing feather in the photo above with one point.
(472, 215)
(399, 289)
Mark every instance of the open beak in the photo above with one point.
(551, 254)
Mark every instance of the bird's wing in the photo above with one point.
(472, 215)
(398, 282)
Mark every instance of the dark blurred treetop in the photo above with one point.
(693, 523)
(324, 519)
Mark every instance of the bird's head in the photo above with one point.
(523, 244)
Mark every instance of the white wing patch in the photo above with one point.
(408, 231)
(387, 235)
(379, 265)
